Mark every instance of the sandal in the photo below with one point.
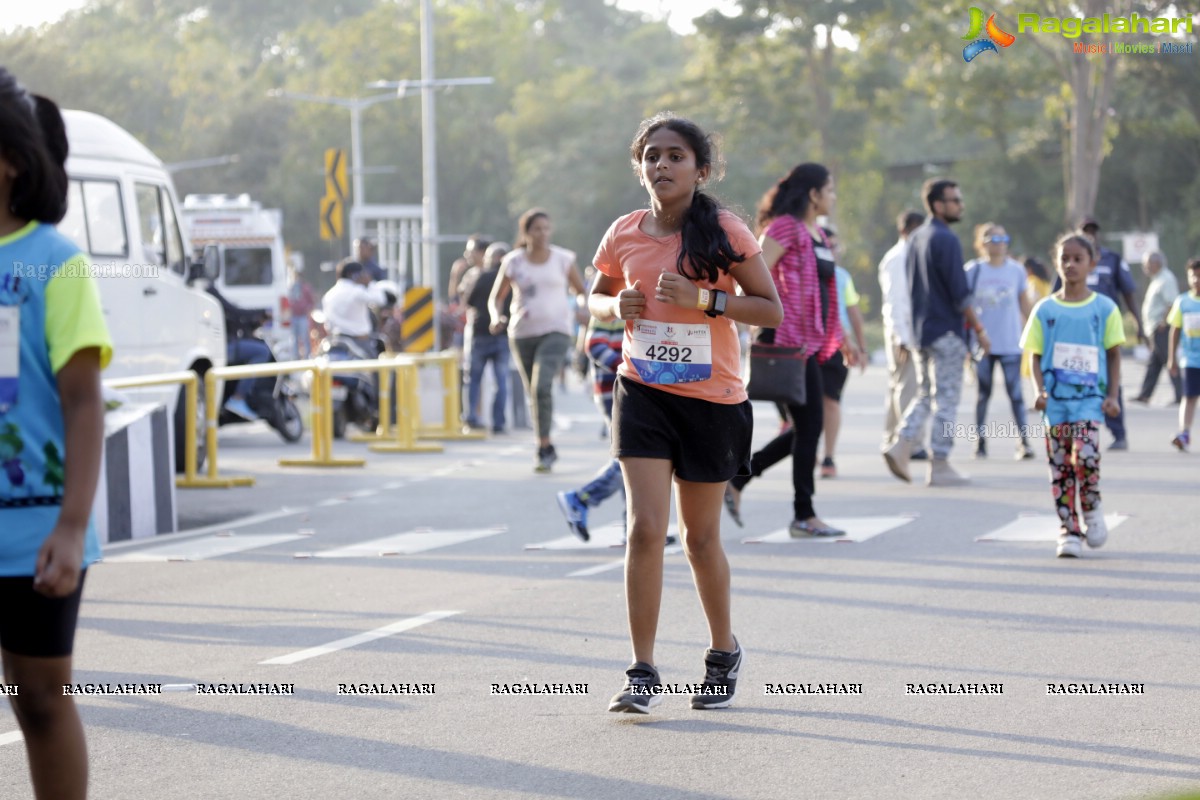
(800, 529)
(733, 502)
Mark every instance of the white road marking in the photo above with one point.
(204, 548)
(602, 538)
(361, 638)
(417, 541)
(224, 526)
(611, 565)
(11, 738)
(858, 529)
(1037, 528)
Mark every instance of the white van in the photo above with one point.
(121, 211)
(254, 264)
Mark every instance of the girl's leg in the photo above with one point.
(1059, 449)
(523, 352)
(1011, 365)
(1087, 464)
(699, 507)
(1187, 413)
(54, 739)
(809, 420)
(984, 369)
(833, 425)
(648, 489)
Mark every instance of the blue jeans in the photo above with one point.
(608, 481)
(1011, 366)
(483, 350)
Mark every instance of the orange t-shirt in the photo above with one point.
(630, 254)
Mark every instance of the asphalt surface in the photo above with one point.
(921, 603)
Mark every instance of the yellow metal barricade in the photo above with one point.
(408, 412)
(191, 383)
(321, 414)
(452, 426)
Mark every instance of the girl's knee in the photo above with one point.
(702, 544)
(40, 708)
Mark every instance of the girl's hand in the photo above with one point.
(59, 562)
(631, 302)
(1110, 406)
(1040, 403)
(677, 290)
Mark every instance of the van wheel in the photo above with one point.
(181, 423)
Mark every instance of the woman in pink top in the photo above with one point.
(680, 413)
(802, 265)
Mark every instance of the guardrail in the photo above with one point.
(451, 427)
(191, 383)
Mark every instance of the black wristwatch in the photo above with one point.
(718, 303)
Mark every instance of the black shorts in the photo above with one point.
(1191, 381)
(32, 624)
(706, 442)
(833, 375)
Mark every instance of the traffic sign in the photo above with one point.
(335, 174)
(331, 217)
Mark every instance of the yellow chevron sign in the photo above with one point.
(416, 332)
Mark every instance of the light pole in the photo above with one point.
(356, 106)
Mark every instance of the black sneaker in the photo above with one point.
(641, 692)
(546, 456)
(720, 678)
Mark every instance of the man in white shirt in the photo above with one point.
(1160, 294)
(347, 306)
(898, 329)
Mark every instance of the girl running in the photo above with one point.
(1074, 338)
(680, 412)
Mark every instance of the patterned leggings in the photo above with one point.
(1074, 452)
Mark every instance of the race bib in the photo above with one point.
(1191, 323)
(670, 352)
(10, 355)
(1076, 364)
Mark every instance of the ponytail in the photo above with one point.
(705, 245)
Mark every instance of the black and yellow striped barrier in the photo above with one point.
(416, 330)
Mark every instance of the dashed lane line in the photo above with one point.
(11, 738)
(204, 548)
(404, 544)
(361, 638)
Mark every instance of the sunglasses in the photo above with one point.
(998, 239)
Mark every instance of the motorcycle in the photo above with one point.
(273, 400)
(354, 395)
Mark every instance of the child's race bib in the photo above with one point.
(10, 355)
(670, 352)
(1191, 323)
(1076, 364)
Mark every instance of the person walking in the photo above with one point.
(1184, 319)
(1075, 338)
(1160, 294)
(797, 253)
(852, 353)
(1001, 301)
(898, 335)
(540, 275)
(942, 312)
(484, 347)
(680, 411)
(53, 345)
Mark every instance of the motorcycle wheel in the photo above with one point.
(339, 422)
(288, 421)
(181, 421)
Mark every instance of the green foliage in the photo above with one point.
(876, 89)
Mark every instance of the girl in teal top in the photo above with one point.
(53, 344)
(1073, 338)
(1184, 319)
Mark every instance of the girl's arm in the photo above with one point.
(758, 306)
(60, 559)
(1172, 348)
(575, 280)
(1035, 371)
(611, 299)
(1112, 403)
(500, 290)
(856, 322)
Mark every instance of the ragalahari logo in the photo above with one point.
(995, 36)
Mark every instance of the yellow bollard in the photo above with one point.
(408, 415)
(322, 426)
(452, 426)
(212, 408)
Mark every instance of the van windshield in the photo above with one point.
(247, 266)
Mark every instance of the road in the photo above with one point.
(416, 573)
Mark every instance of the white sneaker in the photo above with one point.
(1069, 546)
(1094, 527)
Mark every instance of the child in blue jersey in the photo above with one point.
(53, 344)
(1184, 319)
(1073, 338)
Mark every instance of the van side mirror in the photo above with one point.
(209, 267)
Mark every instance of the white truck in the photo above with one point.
(254, 270)
(121, 212)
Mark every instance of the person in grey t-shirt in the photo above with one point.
(997, 285)
(1160, 294)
